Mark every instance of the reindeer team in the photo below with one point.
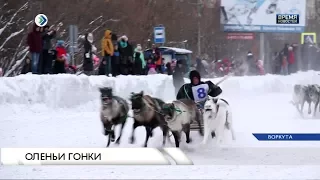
(175, 117)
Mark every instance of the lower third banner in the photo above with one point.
(287, 137)
(93, 156)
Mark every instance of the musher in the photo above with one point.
(197, 90)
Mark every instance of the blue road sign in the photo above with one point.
(159, 34)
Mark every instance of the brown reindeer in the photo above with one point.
(146, 112)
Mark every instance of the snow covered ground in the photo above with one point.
(63, 111)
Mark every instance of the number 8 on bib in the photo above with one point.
(200, 92)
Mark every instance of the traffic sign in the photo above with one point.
(308, 38)
(159, 34)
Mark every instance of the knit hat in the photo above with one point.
(60, 43)
(139, 48)
(193, 74)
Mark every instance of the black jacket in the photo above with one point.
(46, 40)
(102, 67)
(169, 69)
(87, 62)
(126, 51)
(253, 69)
(185, 91)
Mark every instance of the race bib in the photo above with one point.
(200, 92)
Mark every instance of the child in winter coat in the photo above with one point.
(59, 63)
(169, 68)
(149, 62)
(260, 67)
(152, 69)
(95, 60)
(27, 66)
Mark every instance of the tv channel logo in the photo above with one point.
(287, 18)
(41, 20)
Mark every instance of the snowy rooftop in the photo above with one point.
(177, 50)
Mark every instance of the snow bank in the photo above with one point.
(68, 91)
(260, 85)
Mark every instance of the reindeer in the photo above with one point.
(217, 117)
(179, 115)
(114, 111)
(146, 112)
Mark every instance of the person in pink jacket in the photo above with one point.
(260, 67)
(152, 69)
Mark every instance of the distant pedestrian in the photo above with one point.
(169, 68)
(115, 61)
(47, 36)
(34, 42)
(59, 63)
(139, 62)
(88, 58)
(107, 51)
(126, 55)
(178, 76)
(284, 66)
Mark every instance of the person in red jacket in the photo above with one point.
(227, 66)
(61, 57)
(34, 42)
(291, 60)
(223, 67)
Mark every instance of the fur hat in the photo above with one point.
(124, 37)
(193, 74)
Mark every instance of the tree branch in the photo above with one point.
(18, 63)
(13, 16)
(11, 36)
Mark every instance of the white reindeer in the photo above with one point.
(217, 118)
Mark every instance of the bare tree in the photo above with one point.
(134, 18)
